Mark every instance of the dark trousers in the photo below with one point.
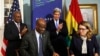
(84, 55)
(12, 52)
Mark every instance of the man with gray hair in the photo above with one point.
(58, 32)
(57, 9)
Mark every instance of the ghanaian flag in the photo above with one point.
(72, 19)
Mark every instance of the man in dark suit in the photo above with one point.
(58, 32)
(36, 42)
(14, 32)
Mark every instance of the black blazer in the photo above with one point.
(11, 33)
(29, 46)
(58, 40)
(76, 46)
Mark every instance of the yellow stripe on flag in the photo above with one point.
(72, 19)
(71, 23)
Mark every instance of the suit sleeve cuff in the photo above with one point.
(20, 36)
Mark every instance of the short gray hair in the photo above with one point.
(57, 10)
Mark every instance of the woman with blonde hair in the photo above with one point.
(84, 43)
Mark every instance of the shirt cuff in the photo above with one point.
(20, 36)
(57, 32)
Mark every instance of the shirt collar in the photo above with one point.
(83, 38)
(16, 23)
(37, 33)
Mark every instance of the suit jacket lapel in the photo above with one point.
(34, 40)
(15, 27)
(60, 21)
(53, 23)
(80, 41)
(21, 26)
(45, 40)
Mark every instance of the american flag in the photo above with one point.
(14, 7)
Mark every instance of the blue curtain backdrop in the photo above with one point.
(44, 9)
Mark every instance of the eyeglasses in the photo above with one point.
(82, 29)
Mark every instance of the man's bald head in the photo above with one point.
(40, 25)
(40, 21)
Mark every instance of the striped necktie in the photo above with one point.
(56, 24)
(40, 46)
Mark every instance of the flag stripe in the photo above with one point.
(71, 23)
(72, 19)
(3, 52)
(3, 49)
(75, 10)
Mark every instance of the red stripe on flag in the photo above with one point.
(3, 48)
(3, 52)
(5, 41)
(75, 10)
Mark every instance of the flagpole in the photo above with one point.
(1, 24)
(21, 9)
(64, 9)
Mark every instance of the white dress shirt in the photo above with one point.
(37, 37)
(84, 45)
(18, 26)
(56, 24)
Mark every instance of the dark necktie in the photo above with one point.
(40, 46)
